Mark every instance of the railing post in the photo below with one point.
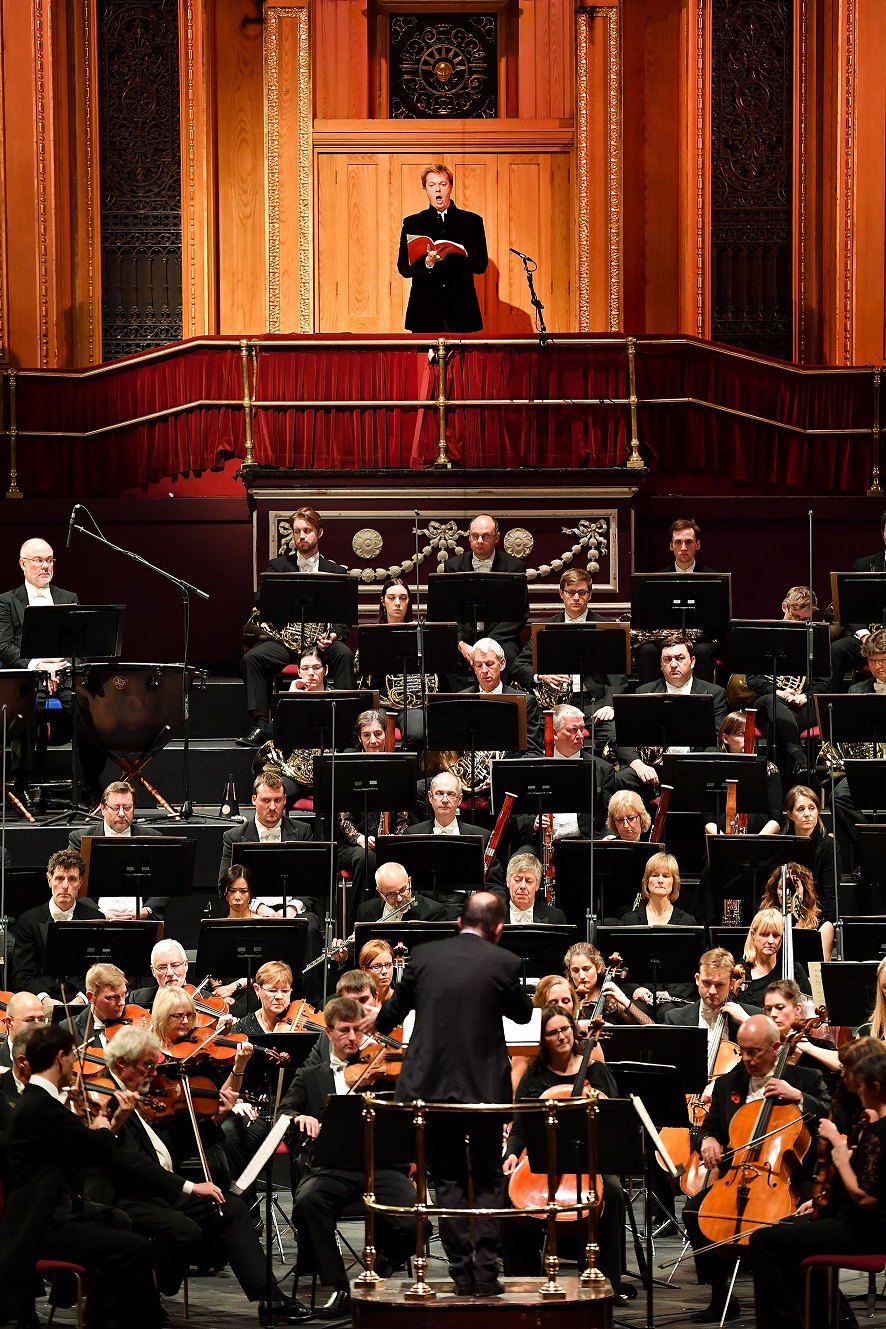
(635, 461)
(13, 491)
(875, 489)
(420, 1291)
(442, 463)
(551, 1290)
(592, 1277)
(369, 1278)
(249, 452)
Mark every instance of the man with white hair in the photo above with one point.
(169, 967)
(488, 663)
(37, 563)
(396, 901)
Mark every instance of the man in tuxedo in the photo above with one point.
(24, 1012)
(106, 1002)
(677, 676)
(262, 661)
(569, 736)
(713, 981)
(443, 298)
(596, 690)
(395, 900)
(321, 1194)
(750, 1081)
(118, 811)
(64, 872)
(488, 664)
(37, 562)
(873, 650)
(270, 825)
(485, 556)
(169, 969)
(521, 903)
(684, 544)
(444, 796)
(846, 651)
(460, 990)
(13, 1081)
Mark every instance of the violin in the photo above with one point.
(222, 1048)
(295, 1018)
(168, 1096)
(98, 1097)
(375, 1061)
(593, 1010)
(209, 1009)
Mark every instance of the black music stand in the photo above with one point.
(308, 597)
(408, 934)
(665, 954)
(340, 1143)
(658, 719)
(374, 782)
(871, 841)
(398, 648)
(545, 784)
(319, 720)
(131, 865)
(74, 947)
(76, 633)
(445, 865)
(867, 784)
(301, 868)
(864, 937)
(699, 781)
(859, 597)
(806, 943)
(230, 946)
(478, 597)
(701, 600)
(542, 942)
(774, 648)
(583, 867)
(476, 722)
(850, 990)
(740, 865)
(852, 717)
(581, 648)
(683, 1047)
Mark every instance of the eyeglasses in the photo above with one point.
(172, 967)
(119, 807)
(381, 966)
(395, 895)
(448, 794)
(48, 561)
(557, 1033)
(180, 1015)
(627, 821)
(276, 992)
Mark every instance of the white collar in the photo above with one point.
(42, 1083)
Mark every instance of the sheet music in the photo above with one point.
(262, 1154)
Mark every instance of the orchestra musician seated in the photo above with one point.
(783, 1003)
(852, 1221)
(485, 556)
(360, 986)
(106, 1002)
(445, 795)
(296, 769)
(376, 959)
(270, 824)
(272, 986)
(552, 990)
(64, 872)
(848, 1112)
(560, 1054)
(627, 818)
(763, 956)
(750, 1081)
(321, 1194)
(13, 1083)
(585, 968)
(714, 981)
(24, 1010)
(186, 1221)
(569, 736)
(684, 544)
(488, 663)
(354, 839)
(847, 815)
(805, 910)
(522, 905)
(169, 969)
(875, 1025)
(658, 892)
(395, 900)
(118, 812)
(803, 810)
(732, 739)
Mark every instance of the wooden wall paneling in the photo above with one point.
(828, 28)
(534, 191)
(479, 188)
(361, 188)
(289, 168)
(240, 176)
(196, 25)
(341, 59)
(869, 202)
(331, 244)
(4, 205)
(596, 204)
(545, 59)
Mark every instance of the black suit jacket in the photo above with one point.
(686, 1017)
(423, 909)
(444, 296)
(12, 612)
(535, 739)
(541, 912)
(289, 563)
(699, 567)
(494, 877)
(866, 685)
(604, 787)
(721, 710)
(156, 903)
(309, 1091)
(247, 833)
(459, 989)
(30, 950)
(679, 919)
(597, 689)
(502, 632)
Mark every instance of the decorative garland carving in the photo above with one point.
(582, 126)
(848, 177)
(40, 93)
(301, 73)
(613, 140)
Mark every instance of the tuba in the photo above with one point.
(833, 756)
(254, 631)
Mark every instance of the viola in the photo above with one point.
(169, 1096)
(593, 1010)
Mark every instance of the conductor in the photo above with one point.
(460, 989)
(441, 249)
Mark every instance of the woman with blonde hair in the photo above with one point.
(658, 892)
(875, 1026)
(763, 956)
(627, 817)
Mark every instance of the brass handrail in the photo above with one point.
(592, 1279)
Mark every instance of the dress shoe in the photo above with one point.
(260, 733)
(464, 1287)
(283, 1310)
(714, 1313)
(21, 793)
(493, 1289)
(338, 1305)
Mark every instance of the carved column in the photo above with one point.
(598, 151)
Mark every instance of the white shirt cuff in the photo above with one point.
(188, 1188)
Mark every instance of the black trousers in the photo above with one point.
(846, 657)
(713, 1267)
(320, 1200)
(776, 1252)
(124, 1291)
(454, 1164)
(260, 664)
(24, 748)
(789, 722)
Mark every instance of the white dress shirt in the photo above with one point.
(311, 564)
(38, 595)
(451, 829)
(520, 915)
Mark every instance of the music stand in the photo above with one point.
(806, 942)
(850, 990)
(699, 781)
(398, 648)
(476, 722)
(478, 597)
(864, 937)
(700, 600)
(867, 784)
(72, 948)
(682, 1047)
(659, 719)
(299, 869)
(409, 934)
(859, 597)
(340, 1143)
(231, 947)
(852, 717)
(581, 648)
(740, 865)
(129, 865)
(308, 597)
(779, 648)
(443, 864)
(538, 941)
(73, 632)
(871, 841)
(580, 862)
(374, 782)
(666, 954)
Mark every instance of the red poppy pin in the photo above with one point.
(736, 1098)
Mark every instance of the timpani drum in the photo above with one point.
(18, 693)
(131, 707)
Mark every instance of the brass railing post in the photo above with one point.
(635, 461)
(442, 462)
(13, 491)
(420, 1291)
(875, 488)
(592, 1278)
(551, 1290)
(369, 1278)
(249, 452)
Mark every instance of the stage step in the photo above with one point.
(212, 761)
(519, 1307)
(218, 710)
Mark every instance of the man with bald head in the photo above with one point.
(24, 1010)
(484, 555)
(37, 563)
(393, 887)
(752, 1080)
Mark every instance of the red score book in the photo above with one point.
(418, 245)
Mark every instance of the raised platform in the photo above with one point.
(519, 1307)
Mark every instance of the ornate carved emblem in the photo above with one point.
(443, 64)
(367, 543)
(518, 542)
